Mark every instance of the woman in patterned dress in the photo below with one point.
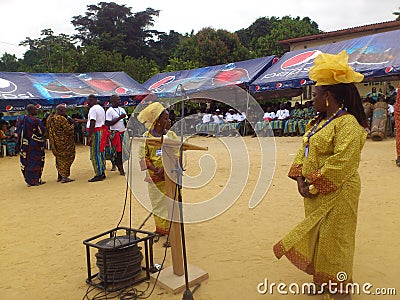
(325, 169)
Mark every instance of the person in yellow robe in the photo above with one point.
(325, 169)
(60, 129)
(156, 120)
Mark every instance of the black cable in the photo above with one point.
(131, 293)
(166, 248)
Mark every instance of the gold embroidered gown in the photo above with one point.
(323, 243)
(62, 142)
(156, 185)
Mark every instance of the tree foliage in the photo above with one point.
(113, 27)
(110, 37)
(261, 27)
(50, 53)
(176, 64)
(9, 63)
(397, 13)
(266, 33)
(211, 47)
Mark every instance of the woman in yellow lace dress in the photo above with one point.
(156, 120)
(325, 169)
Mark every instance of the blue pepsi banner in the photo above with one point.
(165, 85)
(46, 90)
(375, 55)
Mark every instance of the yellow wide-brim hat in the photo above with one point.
(331, 69)
(150, 114)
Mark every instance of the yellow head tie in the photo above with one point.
(150, 114)
(330, 69)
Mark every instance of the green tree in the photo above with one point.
(397, 13)
(113, 27)
(211, 47)
(94, 59)
(261, 27)
(50, 53)
(176, 64)
(164, 47)
(9, 63)
(285, 28)
(140, 68)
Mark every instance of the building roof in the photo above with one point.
(367, 29)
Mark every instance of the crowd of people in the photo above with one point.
(285, 120)
(104, 129)
(325, 168)
(379, 109)
(282, 118)
(8, 137)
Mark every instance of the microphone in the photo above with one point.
(183, 91)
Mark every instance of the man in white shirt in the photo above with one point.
(230, 116)
(115, 116)
(203, 127)
(281, 115)
(207, 117)
(269, 115)
(96, 138)
(217, 118)
(240, 117)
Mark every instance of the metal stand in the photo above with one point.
(138, 237)
(176, 278)
(187, 294)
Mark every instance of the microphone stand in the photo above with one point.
(187, 294)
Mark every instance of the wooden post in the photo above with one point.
(171, 278)
(175, 233)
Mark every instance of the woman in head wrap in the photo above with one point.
(156, 120)
(325, 169)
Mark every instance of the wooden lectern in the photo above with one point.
(172, 278)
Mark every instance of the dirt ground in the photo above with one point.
(42, 228)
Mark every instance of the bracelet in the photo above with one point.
(312, 189)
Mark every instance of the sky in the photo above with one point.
(20, 19)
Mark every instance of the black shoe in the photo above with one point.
(103, 176)
(96, 178)
(121, 170)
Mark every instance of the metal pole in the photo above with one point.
(187, 294)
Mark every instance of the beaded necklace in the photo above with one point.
(314, 130)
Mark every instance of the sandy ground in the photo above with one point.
(42, 228)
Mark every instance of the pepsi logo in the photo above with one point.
(299, 59)
(38, 106)
(106, 103)
(303, 82)
(161, 82)
(85, 103)
(275, 60)
(257, 87)
(389, 69)
(64, 104)
(7, 86)
(279, 85)
(9, 107)
(125, 103)
(121, 90)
